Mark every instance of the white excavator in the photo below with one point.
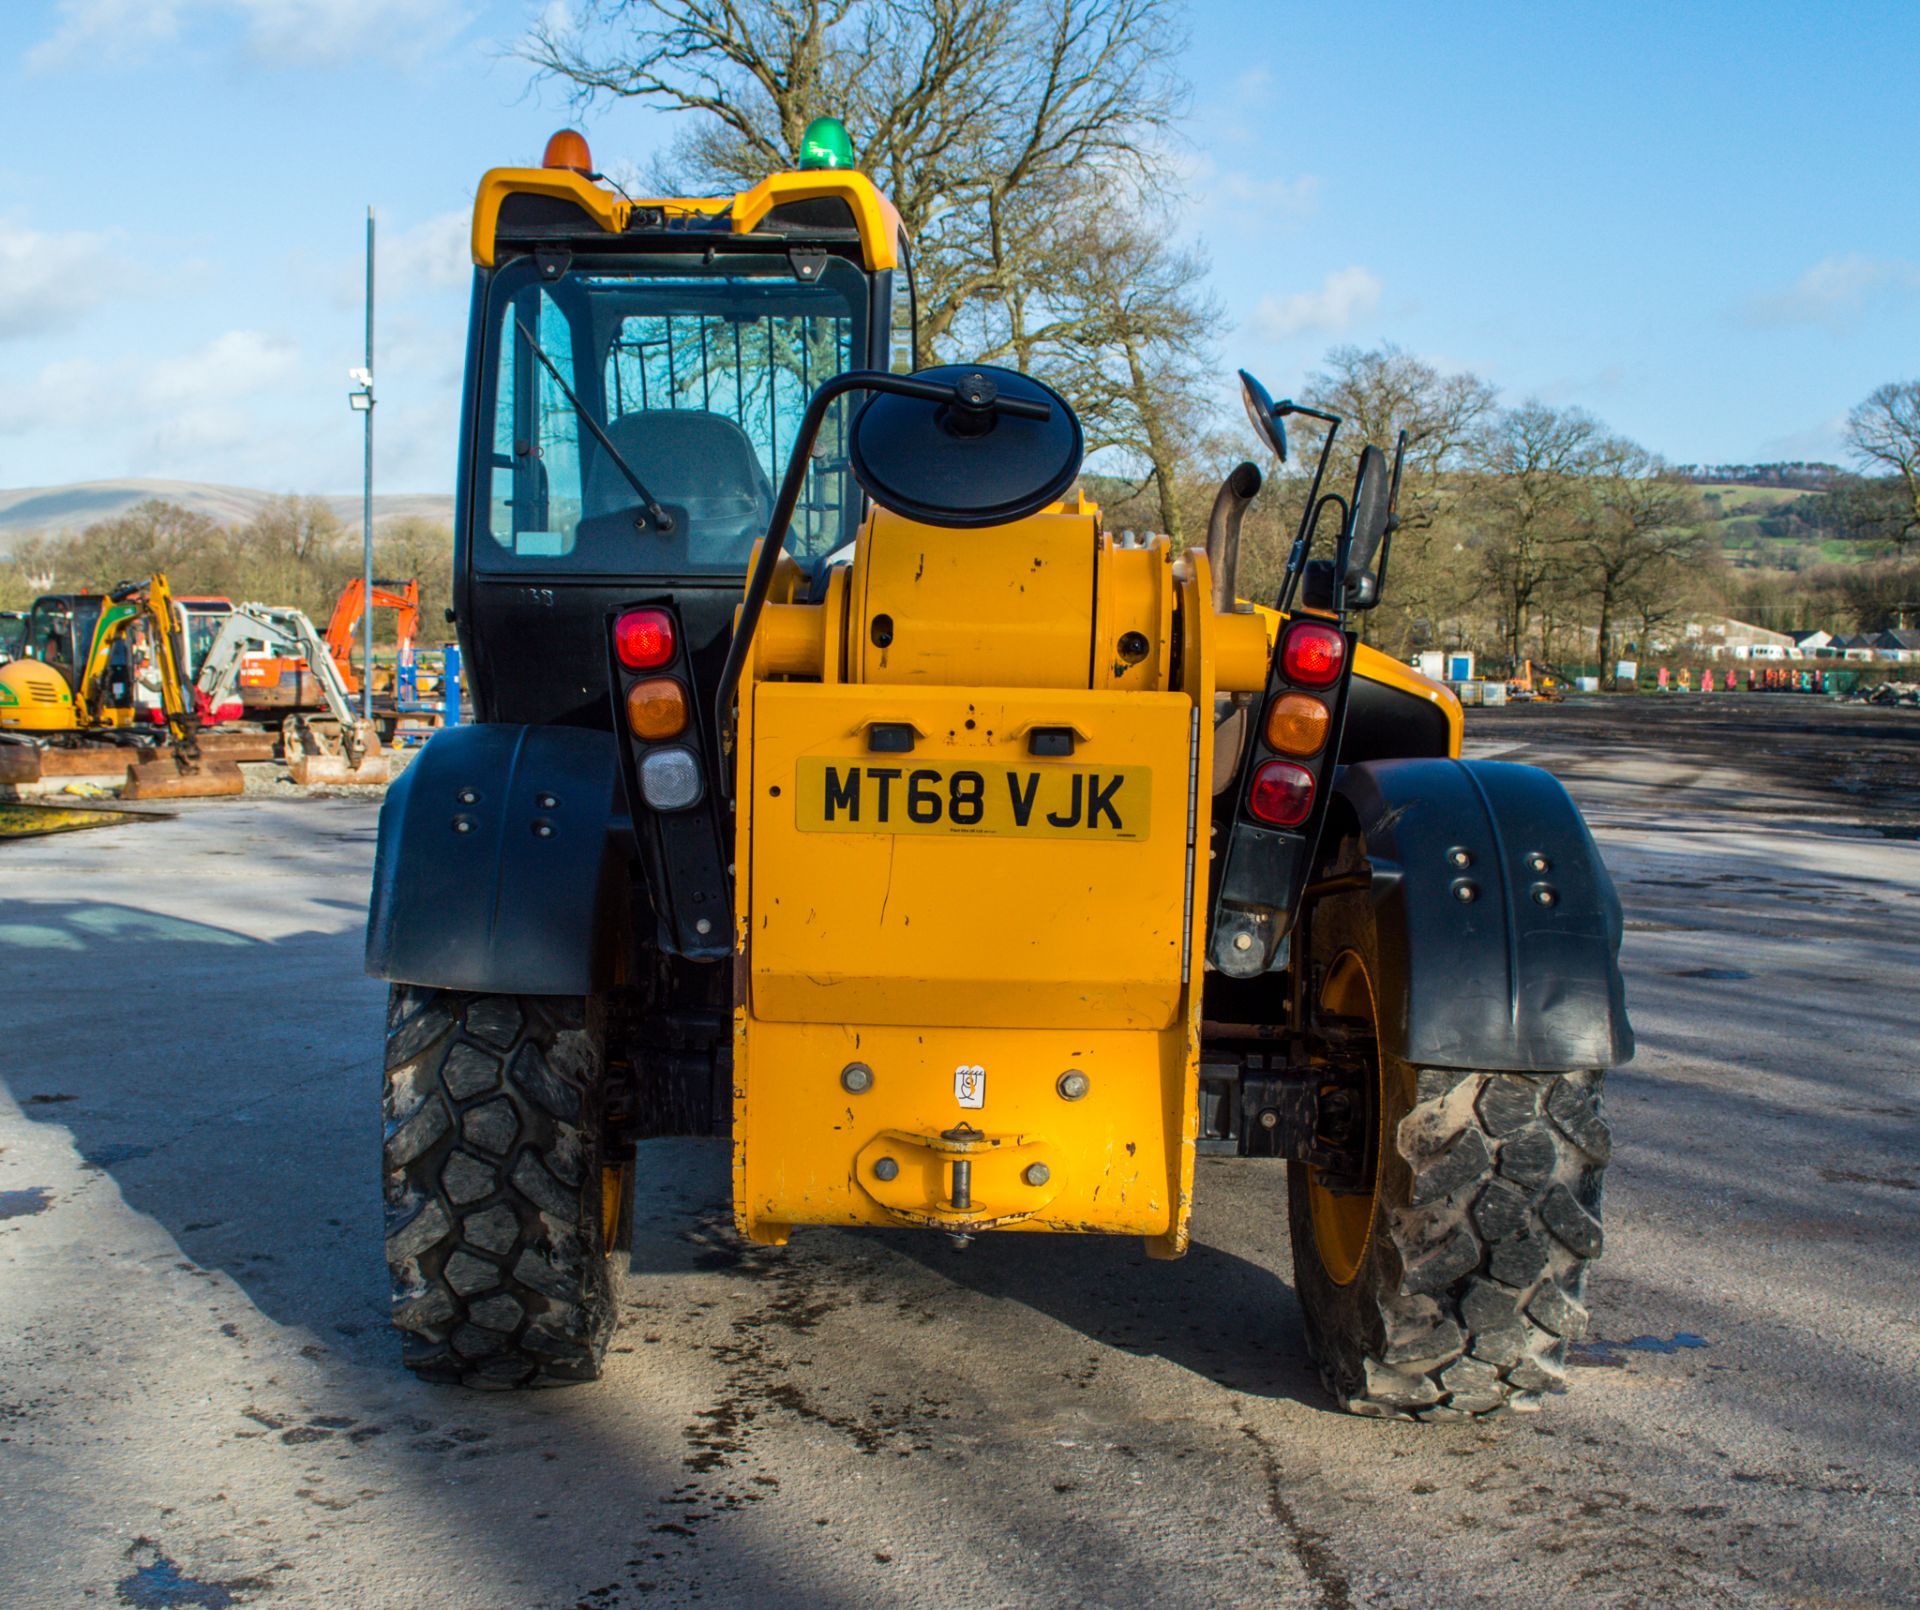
(339, 747)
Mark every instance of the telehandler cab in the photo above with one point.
(970, 870)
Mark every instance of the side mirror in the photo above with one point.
(1372, 512)
(1265, 413)
(1371, 505)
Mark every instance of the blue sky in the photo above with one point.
(1701, 221)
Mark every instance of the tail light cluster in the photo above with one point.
(679, 835)
(654, 692)
(1264, 849)
(1298, 723)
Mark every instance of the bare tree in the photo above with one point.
(1527, 492)
(292, 551)
(1121, 328)
(152, 535)
(1380, 391)
(983, 120)
(1884, 433)
(1638, 518)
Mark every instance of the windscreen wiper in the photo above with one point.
(662, 521)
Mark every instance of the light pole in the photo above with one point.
(360, 399)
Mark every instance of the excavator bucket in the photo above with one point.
(19, 763)
(320, 750)
(169, 777)
(237, 746)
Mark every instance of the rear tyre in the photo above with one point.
(1452, 1291)
(503, 1206)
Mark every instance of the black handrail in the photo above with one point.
(761, 581)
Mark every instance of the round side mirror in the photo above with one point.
(1265, 415)
(966, 464)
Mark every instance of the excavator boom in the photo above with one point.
(341, 747)
(402, 597)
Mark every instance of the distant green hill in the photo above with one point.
(1776, 528)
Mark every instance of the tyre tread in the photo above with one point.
(1499, 1310)
(493, 1189)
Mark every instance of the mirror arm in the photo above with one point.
(1386, 552)
(1342, 554)
(1223, 531)
(1310, 515)
(760, 582)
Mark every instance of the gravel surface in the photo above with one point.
(200, 1403)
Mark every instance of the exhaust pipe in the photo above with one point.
(1223, 531)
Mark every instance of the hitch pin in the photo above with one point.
(962, 1185)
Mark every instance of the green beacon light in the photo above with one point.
(825, 145)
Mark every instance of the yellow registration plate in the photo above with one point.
(1073, 802)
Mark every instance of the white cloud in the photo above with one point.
(288, 33)
(231, 367)
(435, 255)
(1345, 296)
(1837, 291)
(113, 31)
(50, 282)
(164, 411)
(1233, 198)
(1270, 195)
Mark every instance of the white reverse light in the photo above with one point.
(670, 779)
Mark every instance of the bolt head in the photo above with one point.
(1243, 941)
(856, 1078)
(463, 824)
(1465, 892)
(1269, 1119)
(543, 830)
(1072, 1085)
(1460, 857)
(468, 796)
(1037, 1174)
(1544, 897)
(1539, 863)
(885, 1168)
(547, 802)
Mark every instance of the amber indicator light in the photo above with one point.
(657, 708)
(1297, 724)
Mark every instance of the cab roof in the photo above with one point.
(519, 209)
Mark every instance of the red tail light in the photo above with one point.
(1282, 794)
(1312, 655)
(643, 638)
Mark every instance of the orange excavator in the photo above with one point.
(403, 597)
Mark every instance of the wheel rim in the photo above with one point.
(1343, 1222)
(613, 1191)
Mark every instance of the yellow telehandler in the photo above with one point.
(842, 787)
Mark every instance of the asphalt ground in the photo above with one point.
(200, 1403)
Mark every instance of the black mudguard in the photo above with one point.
(501, 857)
(1524, 975)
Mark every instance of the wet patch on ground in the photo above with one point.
(1598, 1352)
(158, 1583)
